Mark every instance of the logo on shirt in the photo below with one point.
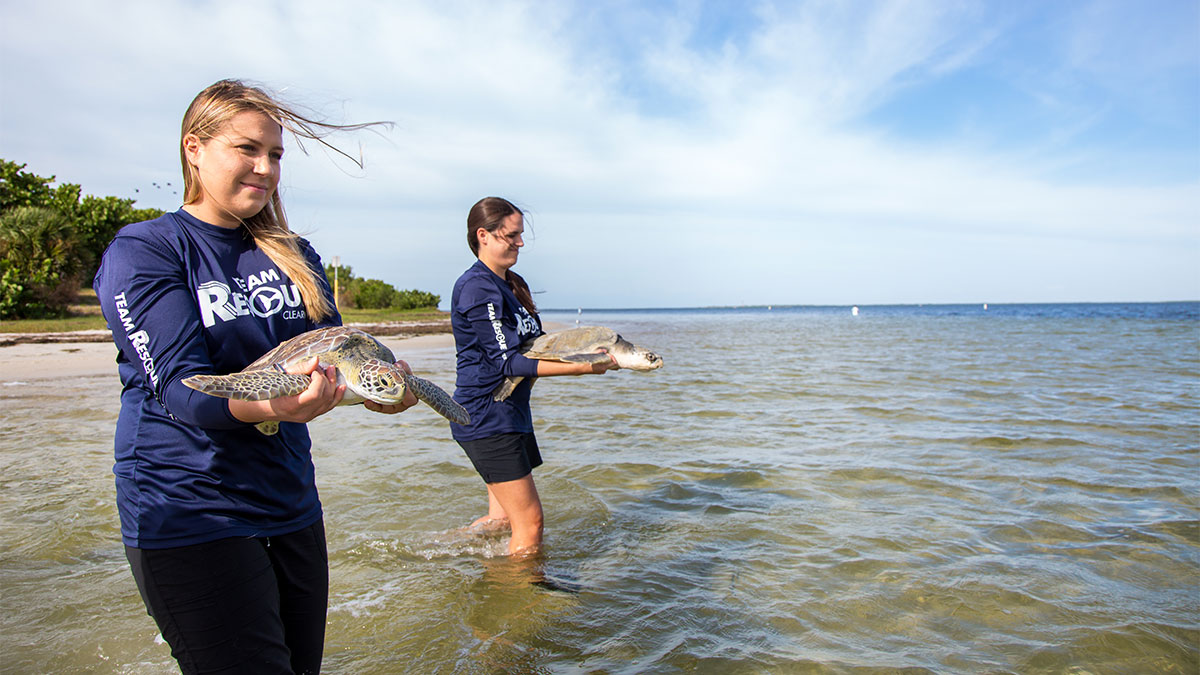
(525, 323)
(139, 339)
(263, 295)
(498, 329)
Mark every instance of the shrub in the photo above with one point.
(11, 290)
(96, 219)
(374, 294)
(43, 260)
(414, 299)
(99, 218)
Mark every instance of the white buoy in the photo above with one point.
(854, 310)
(985, 306)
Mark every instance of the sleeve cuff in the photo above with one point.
(520, 365)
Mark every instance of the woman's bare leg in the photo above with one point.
(496, 519)
(519, 501)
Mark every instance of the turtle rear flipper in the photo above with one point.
(509, 384)
(506, 387)
(268, 428)
(435, 397)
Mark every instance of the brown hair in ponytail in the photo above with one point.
(207, 115)
(521, 290)
(489, 214)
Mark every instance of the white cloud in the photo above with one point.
(649, 160)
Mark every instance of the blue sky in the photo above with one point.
(673, 153)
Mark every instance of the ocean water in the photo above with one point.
(941, 489)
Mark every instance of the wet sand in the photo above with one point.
(28, 362)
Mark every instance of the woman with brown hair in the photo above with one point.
(222, 525)
(492, 314)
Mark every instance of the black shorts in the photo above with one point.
(247, 604)
(504, 457)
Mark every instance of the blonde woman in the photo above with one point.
(222, 524)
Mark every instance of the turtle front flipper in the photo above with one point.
(588, 357)
(435, 397)
(256, 385)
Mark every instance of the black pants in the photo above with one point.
(244, 605)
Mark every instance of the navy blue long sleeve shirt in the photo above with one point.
(184, 297)
(489, 326)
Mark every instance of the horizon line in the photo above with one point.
(884, 304)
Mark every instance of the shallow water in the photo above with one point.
(798, 490)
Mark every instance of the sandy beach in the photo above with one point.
(29, 362)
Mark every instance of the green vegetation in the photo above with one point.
(40, 261)
(82, 314)
(85, 315)
(52, 238)
(64, 325)
(356, 293)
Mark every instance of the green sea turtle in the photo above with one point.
(588, 344)
(364, 365)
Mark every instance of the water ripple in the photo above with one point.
(809, 493)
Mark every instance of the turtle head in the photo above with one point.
(632, 357)
(381, 382)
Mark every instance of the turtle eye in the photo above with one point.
(385, 380)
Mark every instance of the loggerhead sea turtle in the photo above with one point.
(364, 365)
(588, 344)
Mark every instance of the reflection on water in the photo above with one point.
(798, 492)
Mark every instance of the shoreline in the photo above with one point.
(381, 329)
(28, 357)
(90, 353)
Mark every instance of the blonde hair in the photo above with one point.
(207, 115)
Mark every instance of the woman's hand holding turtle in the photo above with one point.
(605, 366)
(322, 395)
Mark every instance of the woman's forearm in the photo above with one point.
(552, 368)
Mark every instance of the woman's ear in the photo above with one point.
(191, 148)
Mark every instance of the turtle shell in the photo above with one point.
(318, 342)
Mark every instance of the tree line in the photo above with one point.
(52, 238)
(375, 294)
